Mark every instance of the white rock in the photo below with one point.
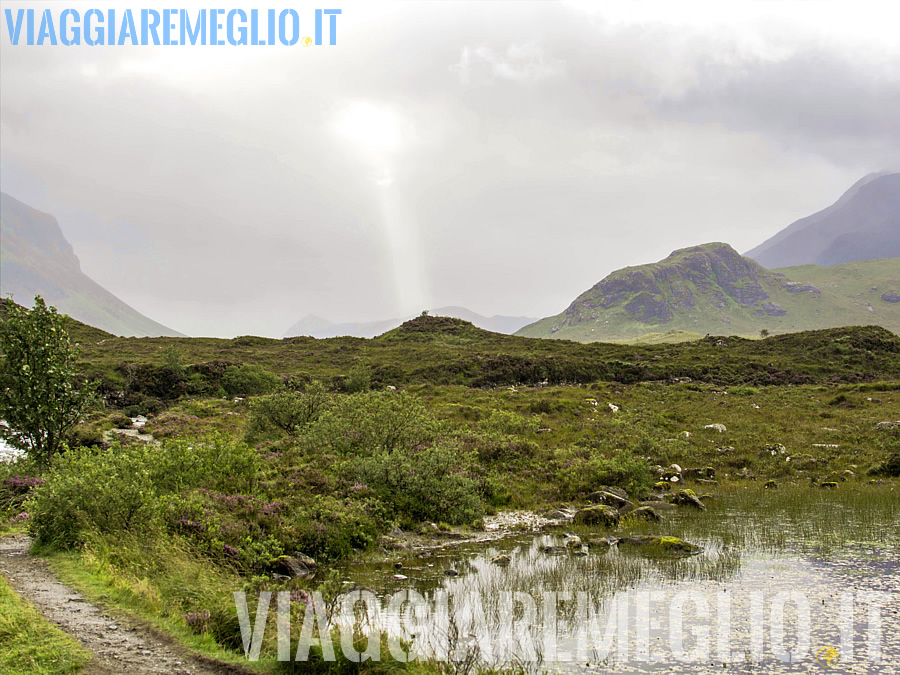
(716, 427)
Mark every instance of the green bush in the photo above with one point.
(249, 380)
(105, 491)
(216, 462)
(423, 484)
(372, 423)
(116, 490)
(582, 473)
(287, 411)
(359, 379)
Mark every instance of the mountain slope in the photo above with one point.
(864, 224)
(712, 289)
(36, 259)
(318, 327)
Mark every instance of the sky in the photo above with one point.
(501, 156)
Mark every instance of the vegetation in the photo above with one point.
(41, 398)
(440, 423)
(31, 644)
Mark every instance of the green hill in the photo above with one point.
(711, 289)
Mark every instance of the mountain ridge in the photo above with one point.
(37, 259)
(863, 224)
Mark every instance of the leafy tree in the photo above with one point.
(40, 395)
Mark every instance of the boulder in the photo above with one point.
(658, 544)
(598, 515)
(645, 513)
(573, 541)
(688, 498)
(884, 426)
(658, 505)
(290, 566)
(608, 498)
(704, 472)
(557, 514)
(716, 427)
(502, 560)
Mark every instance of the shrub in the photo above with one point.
(424, 484)
(359, 379)
(374, 422)
(106, 491)
(249, 380)
(287, 411)
(582, 473)
(215, 462)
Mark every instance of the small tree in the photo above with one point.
(40, 397)
(764, 333)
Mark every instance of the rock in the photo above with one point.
(573, 541)
(884, 426)
(770, 485)
(658, 505)
(608, 498)
(401, 577)
(394, 544)
(890, 297)
(292, 566)
(617, 491)
(398, 565)
(598, 515)
(725, 448)
(716, 427)
(657, 544)
(645, 513)
(557, 514)
(502, 560)
(451, 573)
(707, 481)
(775, 449)
(554, 550)
(602, 544)
(305, 560)
(613, 407)
(663, 485)
(675, 468)
(688, 498)
(829, 485)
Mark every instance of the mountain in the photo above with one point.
(713, 289)
(864, 224)
(318, 327)
(36, 259)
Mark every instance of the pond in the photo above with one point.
(789, 580)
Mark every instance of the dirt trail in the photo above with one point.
(120, 645)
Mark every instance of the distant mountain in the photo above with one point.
(713, 289)
(36, 259)
(318, 327)
(864, 224)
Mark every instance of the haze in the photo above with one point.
(499, 156)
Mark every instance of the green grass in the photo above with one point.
(31, 644)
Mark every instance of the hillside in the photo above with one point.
(711, 289)
(864, 224)
(317, 327)
(36, 259)
(702, 289)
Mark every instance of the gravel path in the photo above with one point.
(120, 645)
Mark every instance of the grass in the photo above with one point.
(31, 644)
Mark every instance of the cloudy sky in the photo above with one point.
(503, 156)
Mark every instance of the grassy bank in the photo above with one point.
(30, 644)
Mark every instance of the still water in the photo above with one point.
(795, 580)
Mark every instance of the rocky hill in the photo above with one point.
(713, 289)
(36, 259)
